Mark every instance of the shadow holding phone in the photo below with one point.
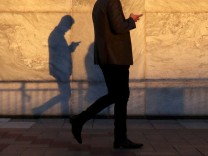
(60, 66)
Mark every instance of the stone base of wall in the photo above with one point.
(148, 98)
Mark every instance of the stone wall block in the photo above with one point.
(36, 6)
(24, 45)
(83, 5)
(177, 45)
(172, 6)
(83, 56)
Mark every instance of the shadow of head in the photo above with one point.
(66, 23)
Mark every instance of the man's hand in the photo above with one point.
(135, 17)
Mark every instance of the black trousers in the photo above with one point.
(117, 82)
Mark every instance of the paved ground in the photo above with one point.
(52, 137)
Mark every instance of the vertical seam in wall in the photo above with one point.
(145, 43)
(71, 12)
(145, 59)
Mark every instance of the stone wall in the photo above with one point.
(170, 45)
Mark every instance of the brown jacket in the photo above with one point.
(112, 37)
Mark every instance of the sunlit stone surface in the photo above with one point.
(176, 6)
(82, 5)
(35, 5)
(177, 45)
(137, 71)
(169, 75)
(24, 45)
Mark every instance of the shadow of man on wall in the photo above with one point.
(60, 65)
(96, 83)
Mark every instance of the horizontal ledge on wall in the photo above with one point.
(131, 80)
(176, 12)
(19, 12)
(35, 5)
(133, 83)
(136, 117)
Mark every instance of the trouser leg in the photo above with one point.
(103, 102)
(117, 81)
(97, 106)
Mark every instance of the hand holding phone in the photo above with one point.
(136, 17)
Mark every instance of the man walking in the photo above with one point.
(113, 53)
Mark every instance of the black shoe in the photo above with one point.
(76, 128)
(127, 145)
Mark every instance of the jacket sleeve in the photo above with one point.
(116, 18)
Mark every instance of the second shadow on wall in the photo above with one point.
(96, 82)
